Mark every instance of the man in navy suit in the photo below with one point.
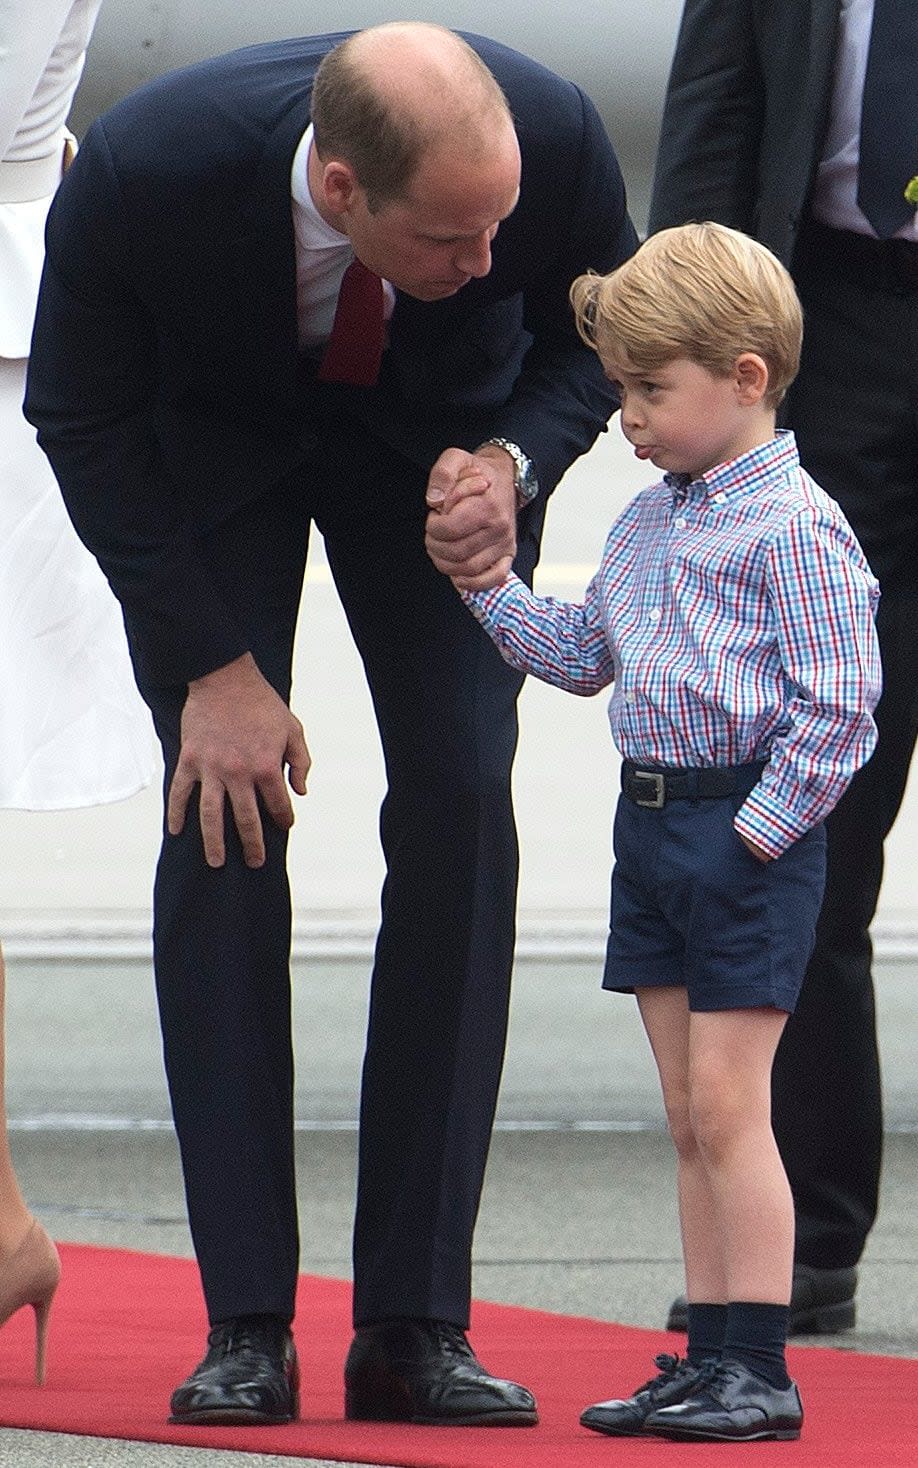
(179, 384)
(768, 127)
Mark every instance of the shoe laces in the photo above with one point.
(714, 1377)
(668, 1369)
(244, 1333)
(451, 1339)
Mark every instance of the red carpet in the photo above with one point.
(126, 1327)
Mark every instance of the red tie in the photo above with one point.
(355, 347)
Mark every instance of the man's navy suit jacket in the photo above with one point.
(165, 380)
(746, 114)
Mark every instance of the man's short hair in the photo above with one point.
(700, 291)
(354, 117)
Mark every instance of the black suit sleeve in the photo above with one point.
(707, 164)
(91, 395)
(561, 399)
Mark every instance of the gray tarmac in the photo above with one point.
(578, 1213)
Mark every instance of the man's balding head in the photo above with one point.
(394, 95)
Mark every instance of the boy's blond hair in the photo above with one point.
(700, 291)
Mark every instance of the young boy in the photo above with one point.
(733, 610)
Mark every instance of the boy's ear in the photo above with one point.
(750, 374)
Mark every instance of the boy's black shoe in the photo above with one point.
(822, 1302)
(425, 1371)
(730, 1404)
(249, 1375)
(626, 1417)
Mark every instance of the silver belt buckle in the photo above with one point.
(657, 800)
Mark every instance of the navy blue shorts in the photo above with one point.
(692, 906)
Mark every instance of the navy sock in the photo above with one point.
(707, 1326)
(756, 1335)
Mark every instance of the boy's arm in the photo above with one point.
(823, 597)
(563, 643)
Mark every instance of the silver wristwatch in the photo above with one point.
(524, 475)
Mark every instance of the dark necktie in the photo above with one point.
(889, 116)
(355, 347)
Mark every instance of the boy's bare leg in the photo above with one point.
(666, 1018)
(731, 1055)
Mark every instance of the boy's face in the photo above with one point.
(684, 419)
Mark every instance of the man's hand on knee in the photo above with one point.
(238, 735)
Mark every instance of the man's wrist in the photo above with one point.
(242, 666)
(525, 480)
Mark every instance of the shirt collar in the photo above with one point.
(743, 474)
(681, 485)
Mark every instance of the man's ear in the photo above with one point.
(338, 186)
(750, 375)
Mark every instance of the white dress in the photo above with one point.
(73, 728)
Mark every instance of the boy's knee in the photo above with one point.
(679, 1122)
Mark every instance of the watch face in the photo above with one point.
(527, 486)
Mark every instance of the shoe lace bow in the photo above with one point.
(668, 1368)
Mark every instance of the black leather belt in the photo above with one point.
(653, 788)
(888, 265)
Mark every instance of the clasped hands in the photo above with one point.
(238, 737)
(471, 527)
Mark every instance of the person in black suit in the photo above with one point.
(198, 420)
(769, 126)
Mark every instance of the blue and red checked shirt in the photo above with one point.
(734, 615)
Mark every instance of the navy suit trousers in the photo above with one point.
(445, 704)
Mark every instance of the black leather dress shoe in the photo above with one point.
(822, 1302)
(425, 1371)
(249, 1375)
(730, 1404)
(625, 1417)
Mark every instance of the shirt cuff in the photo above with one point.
(763, 820)
(484, 603)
